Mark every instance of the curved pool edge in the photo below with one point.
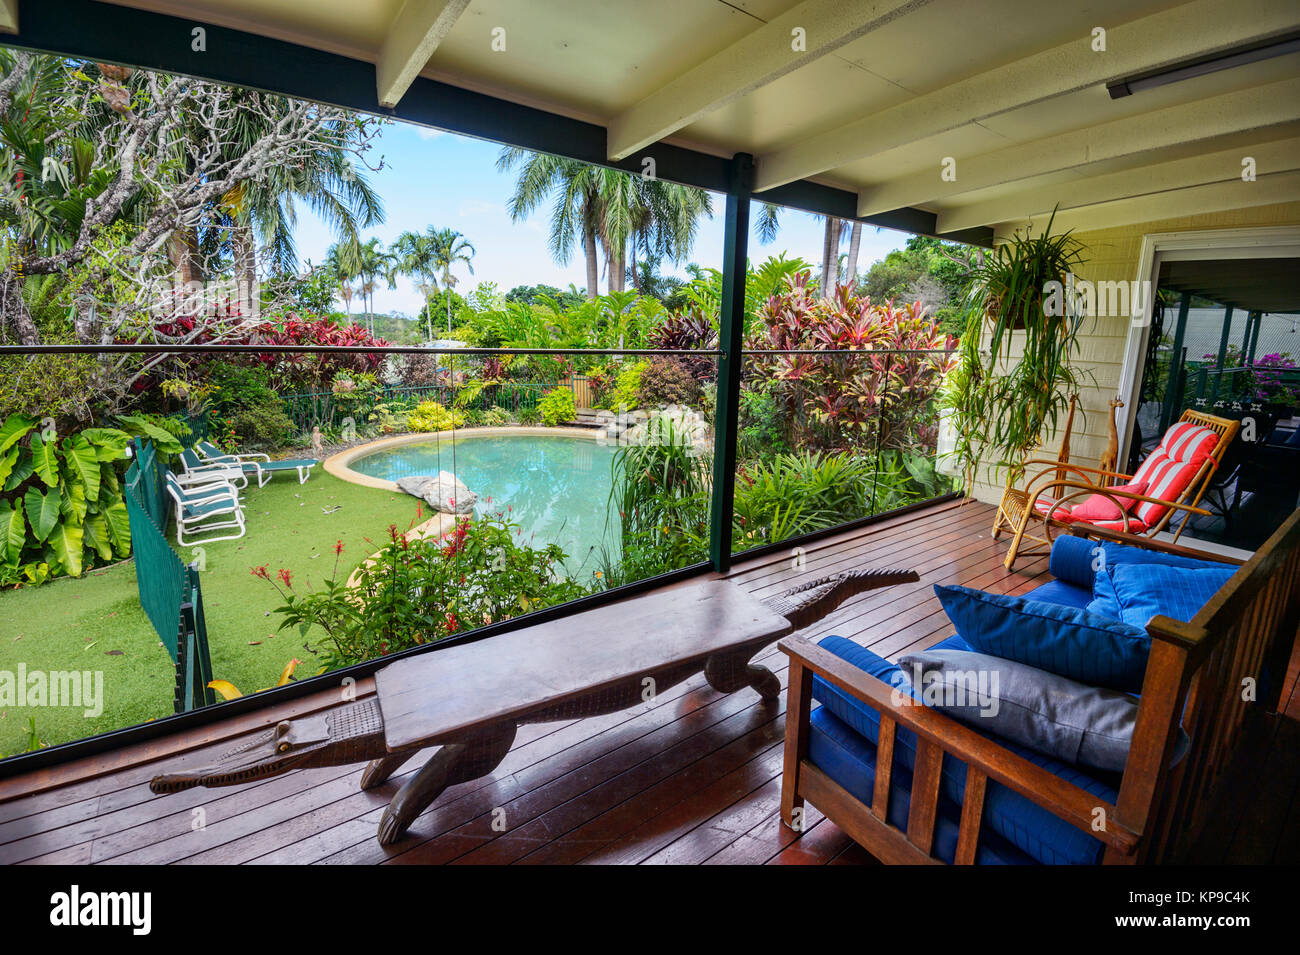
(338, 464)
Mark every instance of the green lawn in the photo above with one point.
(95, 622)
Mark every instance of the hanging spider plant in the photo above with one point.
(1001, 403)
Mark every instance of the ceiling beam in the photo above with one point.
(412, 37)
(8, 16)
(1174, 204)
(1185, 31)
(1221, 165)
(758, 58)
(1228, 114)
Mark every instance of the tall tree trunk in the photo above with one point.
(593, 266)
(830, 256)
(245, 249)
(183, 250)
(618, 269)
(636, 278)
(851, 267)
(17, 320)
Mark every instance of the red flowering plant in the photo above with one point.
(421, 589)
(884, 392)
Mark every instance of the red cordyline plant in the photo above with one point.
(315, 371)
(885, 394)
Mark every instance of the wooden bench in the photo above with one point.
(470, 698)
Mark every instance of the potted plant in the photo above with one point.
(998, 405)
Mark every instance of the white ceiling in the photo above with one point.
(1010, 89)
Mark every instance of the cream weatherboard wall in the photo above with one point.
(1111, 255)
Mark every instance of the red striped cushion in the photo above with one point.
(1172, 466)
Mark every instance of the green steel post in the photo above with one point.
(1254, 338)
(1223, 353)
(1173, 386)
(731, 331)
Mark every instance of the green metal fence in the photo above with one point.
(169, 590)
(326, 409)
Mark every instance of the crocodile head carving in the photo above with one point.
(337, 737)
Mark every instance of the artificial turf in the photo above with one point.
(95, 622)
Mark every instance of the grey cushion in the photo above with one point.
(1077, 723)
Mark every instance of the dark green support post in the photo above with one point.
(1223, 354)
(731, 333)
(1173, 384)
(1254, 338)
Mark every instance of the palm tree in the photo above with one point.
(370, 262)
(576, 213)
(855, 241)
(620, 212)
(448, 248)
(340, 262)
(416, 257)
(326, 181)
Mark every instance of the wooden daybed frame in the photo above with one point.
(1201, 670)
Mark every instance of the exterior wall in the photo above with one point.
(1111, 255)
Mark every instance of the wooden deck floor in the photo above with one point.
(693, 777)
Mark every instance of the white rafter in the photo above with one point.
(414, 34)
(755, 60)
(1176, 203)
(1171, 36)
(1241, 111)
(1224, 165)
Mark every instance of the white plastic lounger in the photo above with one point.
(258, 464)
(204, 508)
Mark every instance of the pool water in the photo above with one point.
(555, 487)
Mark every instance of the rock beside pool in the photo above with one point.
(443, 492)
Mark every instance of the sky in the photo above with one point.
(433, 178)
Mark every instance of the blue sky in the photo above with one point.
(445, 180)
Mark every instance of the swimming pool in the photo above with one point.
(554, 486)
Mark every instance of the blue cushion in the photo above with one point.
(1028, 826)
(850, 760)
(1071, 560)
(1065, 640)
(1144, 590)
(1104, 601)
(1074, 560)
(1062, 592)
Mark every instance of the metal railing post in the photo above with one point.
(731, 333)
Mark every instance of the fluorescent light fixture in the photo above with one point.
(1211, 64)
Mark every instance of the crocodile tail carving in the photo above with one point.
(805, 604)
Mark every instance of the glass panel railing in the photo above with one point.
(829, 438)
(296, 512)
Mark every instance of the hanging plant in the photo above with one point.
(1000, 405)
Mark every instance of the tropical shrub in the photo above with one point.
(61, 508)
(793, 494)
(660, 491)
(557, 406)
(495, 417)
(431, 416)
(882, 395)
(667, 381)
(420, 590)
(261, 426)
(626, 392)
(687, 330)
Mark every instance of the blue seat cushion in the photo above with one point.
(1069, 641)
(1032, 829)
(1144, 590)
(850, 760)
